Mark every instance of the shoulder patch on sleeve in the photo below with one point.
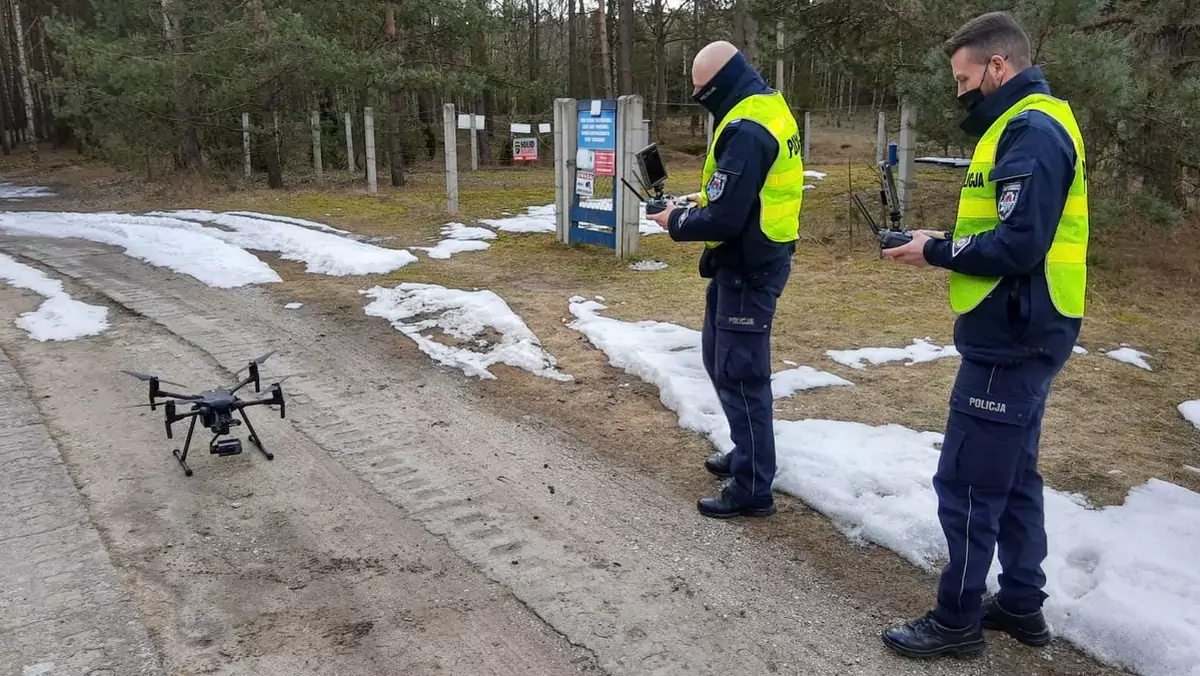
(716, 185)
(960, 244)
(1010, 192)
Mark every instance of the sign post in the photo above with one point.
(595, 143)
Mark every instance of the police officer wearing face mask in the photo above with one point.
(749, 219)
(1017, 265)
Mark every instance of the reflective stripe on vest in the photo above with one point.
(1066, 262)
(783, 192)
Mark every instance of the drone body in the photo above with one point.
(215, 409)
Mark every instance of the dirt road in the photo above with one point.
(402, 528)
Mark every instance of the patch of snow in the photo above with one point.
(1122, 580)
(535, 219)
(16, 193)
(293, 306)
(461, 231)
(1190, 410)
(448, 247)
(59, 317)
(647, 265)
(321, 252)
(789, 362)
(920, 351)
(815, 174)
(417, 309)
(297, 221)
(1192, 469)
(668, 356)
(1079, 350)
(949, 161)
(787, 383)
(1130, 356)
(542, 218)
(181, 246)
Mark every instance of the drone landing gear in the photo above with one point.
(254, 437)
(182, 457)
(220, 447)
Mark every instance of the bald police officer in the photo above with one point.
(1017, 281)
(748, 218)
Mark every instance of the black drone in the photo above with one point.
(214, 409)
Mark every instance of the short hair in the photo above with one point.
(992, 33)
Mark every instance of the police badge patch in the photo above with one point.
(959, 244)
(1009, 193)
(716, 186)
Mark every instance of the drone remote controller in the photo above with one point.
(656, 204)
(890, 239)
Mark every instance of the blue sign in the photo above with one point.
(598, 132)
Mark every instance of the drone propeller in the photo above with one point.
(145, 377)
(256, 361)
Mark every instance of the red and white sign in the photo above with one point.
(606, 162)
(525, 149)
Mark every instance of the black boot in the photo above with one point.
(718, 465)
(725, 506)
(926, 637)
(1030, 629)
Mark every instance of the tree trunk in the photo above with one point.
(605, 59)
(268, 100)
(533, 40)
(19, 32)
(695, 50)
(572, 52)
(660, 66)
(483, 104)
(590, 51)
(12, 94)
(189, 148)
(395, 108)
(625, 24)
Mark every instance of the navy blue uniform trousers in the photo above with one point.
(736, 343)
(989, 489)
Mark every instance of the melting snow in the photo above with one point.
(164, 242)
(16, 193)
(322, 252)
(1190, 410)
(418, 309)
(542, 219)
(59, 317)
(787, 383)
(920, 351)
(1130, 356)
(461, 231)
(644, 266)
(459, 238)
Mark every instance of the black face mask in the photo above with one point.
(971, 99)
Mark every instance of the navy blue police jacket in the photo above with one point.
(745, 152)
(1018, 320)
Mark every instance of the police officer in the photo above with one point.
(1017, 281)
(748, 217)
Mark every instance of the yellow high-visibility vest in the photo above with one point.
(1066, 262)
(783, 192)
